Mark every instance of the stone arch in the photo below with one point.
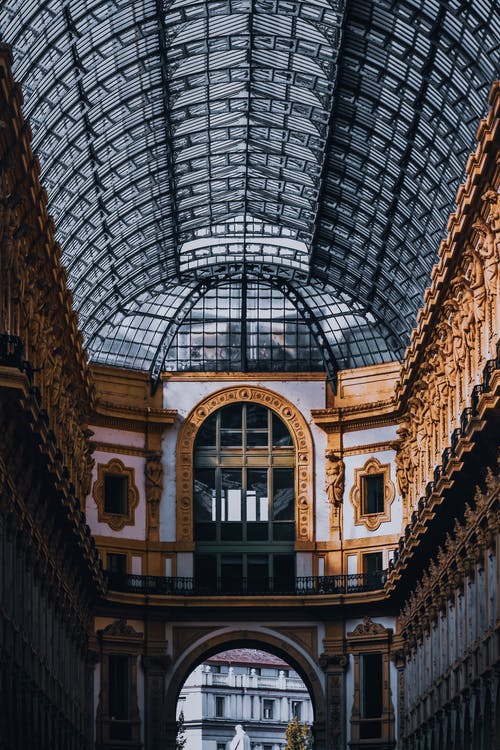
(301, 435)
(258, 637)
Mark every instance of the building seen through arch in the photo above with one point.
(242, 686)
(249, 365)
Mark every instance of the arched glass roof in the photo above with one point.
(314, 145)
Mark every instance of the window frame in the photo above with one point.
(222, 465)
(303, 445)
(372, 521)
(115, 521)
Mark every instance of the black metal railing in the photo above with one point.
(302, 585)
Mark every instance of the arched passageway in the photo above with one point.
(196, 652)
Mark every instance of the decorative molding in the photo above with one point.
(124, 450)
(369, 628)
(304, 474)
(245, 377)
(116, 521)
(356, 416)
(355, 450)
(459, 557)
(119, 629)
(372, 521)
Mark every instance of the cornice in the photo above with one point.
(18, 137)
(355, 417)
(386, 445)
(242, 376)
(447, 478)
(117, 449)
(132, 418)
(481, 167)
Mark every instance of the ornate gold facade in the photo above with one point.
(431, 621)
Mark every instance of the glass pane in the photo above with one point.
(231, 532)
(231, 573)
(283, 532)
(257, 439)
(206, 433)
(230, 416)
(257, 574)
(205, 569)
(205, 532)
(283, 495)
(371, 675)
(230, 438)
(204, 495)
(257, 495)
(257, 532)
(374, 493)
(257, 416)
(232, 495)
(281, 436)
(115, 494)
(284, 573)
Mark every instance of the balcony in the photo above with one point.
(302, 586)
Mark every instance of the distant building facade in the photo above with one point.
(242, 686)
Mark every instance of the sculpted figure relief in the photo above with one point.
(489, 253)
(444, 348)
(404, 464)
(475, 276)
(335, 479)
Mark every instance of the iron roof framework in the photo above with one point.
(312, 146)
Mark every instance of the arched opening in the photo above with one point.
(281, 409)
(244, 502)
(282, 648)
(251, 689)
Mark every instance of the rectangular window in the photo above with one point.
(373, 570)
(267, 709)
(297, 709)
(231, 510)
(116, 562)
(372, 563)
(220, 705)
(373, 494)
(221, 746)
(119, 686)
(258, 574)
(371, 696)
(283, 574)
(116, 494)
(231, 572)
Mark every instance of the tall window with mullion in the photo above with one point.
(244, 496)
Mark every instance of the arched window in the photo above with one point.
(244, 502)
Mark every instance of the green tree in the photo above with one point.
(181, 733)
(298, 736)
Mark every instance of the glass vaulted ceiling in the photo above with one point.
(204, 157)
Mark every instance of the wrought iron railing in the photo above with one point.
(301, 586)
